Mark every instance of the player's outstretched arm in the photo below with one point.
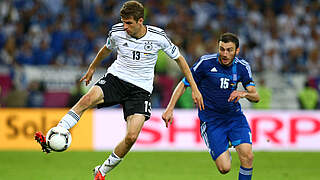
(103, 53)
(196, 95)
(167, 115)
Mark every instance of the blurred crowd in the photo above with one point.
(281, 36)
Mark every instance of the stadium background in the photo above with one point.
(45, 46)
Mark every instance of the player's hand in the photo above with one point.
(197, 99)
(167, 117)
(236, 96)
(88, 76)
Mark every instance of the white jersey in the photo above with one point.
(136, 58)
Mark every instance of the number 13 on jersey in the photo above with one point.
(147, 106)
(135, 55)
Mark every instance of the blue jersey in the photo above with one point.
(216, 82)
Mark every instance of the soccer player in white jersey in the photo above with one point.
(129, 79)
(222, 120)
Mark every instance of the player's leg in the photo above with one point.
(105, 92)
(134, 126)
(216, 140)
(136, 109)
(93, 97)
(223, 162)
(246, 159)
(240, 137)
(89, 100)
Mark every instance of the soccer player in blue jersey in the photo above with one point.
(222, 120)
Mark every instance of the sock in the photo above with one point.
(245, 173)
(112, 161)
(69, 120)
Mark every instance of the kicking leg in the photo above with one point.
(134, 126)
(246, 159)
(93, 97)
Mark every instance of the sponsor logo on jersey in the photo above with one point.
(214, 69)
(148, 46)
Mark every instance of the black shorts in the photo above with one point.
(134, 99)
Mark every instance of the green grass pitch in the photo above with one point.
(74, 165)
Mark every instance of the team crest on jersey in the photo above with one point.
(102, 81)
(148, 46)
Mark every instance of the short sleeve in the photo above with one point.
(110, 44)
(169, 48)
(111, 40)
(246, 75)
(197, 71)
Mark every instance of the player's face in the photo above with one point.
(132, 27)
(227, 52)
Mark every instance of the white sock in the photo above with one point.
(69, 120)
(112, 161)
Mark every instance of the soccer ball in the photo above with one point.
(58, 139)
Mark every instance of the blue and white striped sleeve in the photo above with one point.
(247, 79)
(196, 71)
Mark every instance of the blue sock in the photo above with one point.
(245, 173)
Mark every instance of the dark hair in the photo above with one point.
(132, 9)
(229, 37)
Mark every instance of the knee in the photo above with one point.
(224, 169)
(131, 138)
(247, 158)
